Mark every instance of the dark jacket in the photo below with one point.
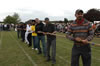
(50, 28)
(39, 27)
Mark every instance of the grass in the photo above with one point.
(13, 52)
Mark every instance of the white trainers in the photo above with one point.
(32, 48)
(28, 43)
(36, 49)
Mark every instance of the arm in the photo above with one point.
(90, 35)
(69, 34)
(53, 30)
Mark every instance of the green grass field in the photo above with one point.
(13, 52)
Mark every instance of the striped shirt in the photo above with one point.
(83, 31)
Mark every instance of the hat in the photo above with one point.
(47, 19)
(33, 20)
(79, 11)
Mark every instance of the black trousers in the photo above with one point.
(23, 35)
(51, 43)
(84, 52)
(18, 33)
(30, 39)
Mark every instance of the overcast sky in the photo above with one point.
(54, 9)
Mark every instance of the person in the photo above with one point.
(49, 30)
(80, 32)
(29, 34)
(26, 34)
(41, 36)
(34, 35)
(5, 26)
(18, 30)
(97, 31)
(23, 30)
(0, 27)
(94, 26)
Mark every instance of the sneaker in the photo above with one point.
(39, 53)
(48, 60)
(33, 48)
(36, 49)
(53, 62)
(27, 43)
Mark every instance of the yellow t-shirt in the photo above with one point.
(33, 29)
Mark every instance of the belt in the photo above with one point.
(80, 44)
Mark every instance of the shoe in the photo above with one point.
(48, 60)
(39, 53)
(27, 43)
(53, 62)
(44, 56)
(36, 49)
(32, 48)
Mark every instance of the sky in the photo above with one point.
(53, 9)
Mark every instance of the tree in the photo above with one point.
(65, 20)
(12, 19)
(9, 19)
(92, 15)
(16, 18)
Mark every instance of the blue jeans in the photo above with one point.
(42, 38)
(35, 41)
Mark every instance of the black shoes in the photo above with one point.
(54, 62)
(39, 53)
(48, 60)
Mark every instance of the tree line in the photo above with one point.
(14, 19)
(91, 15)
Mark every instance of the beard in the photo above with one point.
(80, 18)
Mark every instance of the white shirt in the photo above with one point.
(28, 28)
